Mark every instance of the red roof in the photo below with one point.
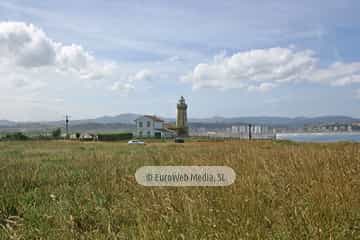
(153, 117)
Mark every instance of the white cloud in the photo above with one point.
(262, 87)
(75, 59)
(122, 87)
(263, 69)
(19, 82)
(144, 74)
(338, 74)
(59, 100)
(175, 59)
(37, 73)
(27, 47)
(128, 82)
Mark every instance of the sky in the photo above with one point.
(90, 58)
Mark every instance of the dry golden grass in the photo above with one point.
(283, 190)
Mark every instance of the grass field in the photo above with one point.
(79, 190)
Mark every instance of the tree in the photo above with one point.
(16, 136)
(56, 133)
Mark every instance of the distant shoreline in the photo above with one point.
(319, 133)
(320, 136)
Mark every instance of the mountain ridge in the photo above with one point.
(128, 118)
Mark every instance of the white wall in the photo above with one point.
(159, 125)
(145, 128)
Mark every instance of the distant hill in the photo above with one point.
(7, 123)
(126, 122)
(126, 118)
(101, 127)
(122, 122)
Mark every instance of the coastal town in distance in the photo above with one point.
(216, 127)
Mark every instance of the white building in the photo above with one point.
(88, 137)
(152, 126)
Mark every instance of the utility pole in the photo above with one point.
(250, 132)
(67, 125)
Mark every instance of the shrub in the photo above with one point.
(56, 133)
(16, 136)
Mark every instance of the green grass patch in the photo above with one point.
(87, 190)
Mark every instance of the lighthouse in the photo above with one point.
(181, 118)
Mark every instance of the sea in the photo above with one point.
(320, 137)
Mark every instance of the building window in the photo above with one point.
(149, 134)
(140, 134)
(140, 124)
(148, 124)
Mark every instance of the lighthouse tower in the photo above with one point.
(181, 118)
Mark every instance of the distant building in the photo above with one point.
(74, 136)
(234, 129)
(256, 129)
(88, 137)
(356, 124)
(152, 127)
